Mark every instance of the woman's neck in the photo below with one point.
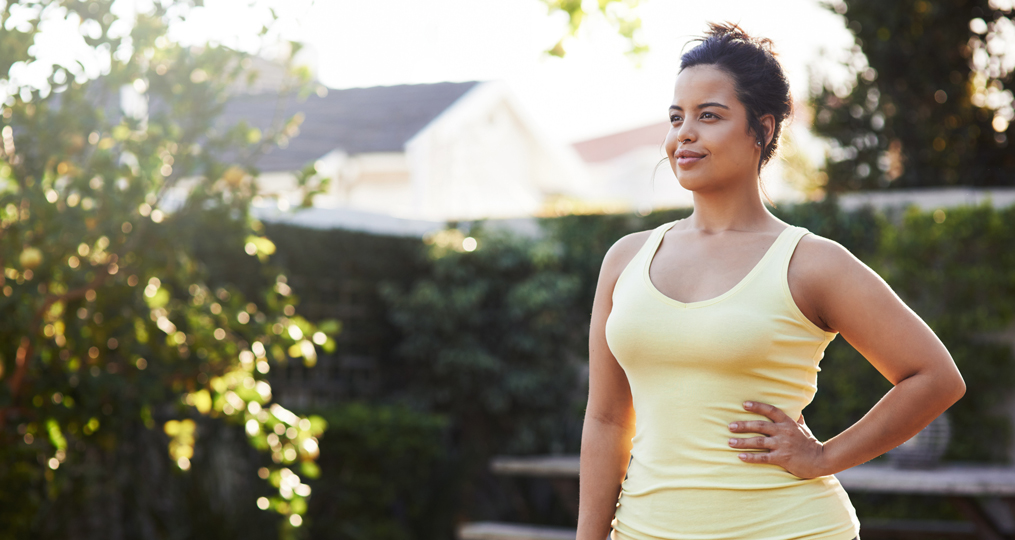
(730, 210)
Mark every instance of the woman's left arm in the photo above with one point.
(839, 293)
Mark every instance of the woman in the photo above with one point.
(711, 328)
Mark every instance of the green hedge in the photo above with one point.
(385, 475)
(957, 270)
(491, 339)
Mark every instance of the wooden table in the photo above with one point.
(964, 484)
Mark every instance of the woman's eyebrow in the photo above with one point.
(702, 106)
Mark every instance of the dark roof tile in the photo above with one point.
(355, 120)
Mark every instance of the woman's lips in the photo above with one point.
(687, 161)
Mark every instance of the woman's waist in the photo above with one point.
(718, 469)
(709, 408)
(661, 432)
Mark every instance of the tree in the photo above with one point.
(114, 337)
(621, 14)
(929, 105)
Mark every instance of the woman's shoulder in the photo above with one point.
(623, 250)
(819, 265)
(822, 254)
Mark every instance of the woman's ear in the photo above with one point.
(768, 125)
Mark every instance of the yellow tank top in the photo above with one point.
(690, 367)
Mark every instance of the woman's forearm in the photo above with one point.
(605, 452)
(903, 411)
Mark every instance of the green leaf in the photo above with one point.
(55, 435)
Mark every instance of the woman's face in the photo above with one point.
(707, 120)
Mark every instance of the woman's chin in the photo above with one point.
(691, 182)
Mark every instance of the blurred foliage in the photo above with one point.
(120, 355)
(135, 490)
(491, 340)
(956, 269)
(620, 14)
(386, 471)
(798, 169)
(337, 274)
(385, 475)
(930, 103)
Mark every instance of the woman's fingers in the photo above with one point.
(752, 442)
(753, 426)
(771, 411)
(756, 457)
(770, 429)
(788, 443)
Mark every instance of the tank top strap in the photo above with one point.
(788, 247)
(776, 261)
(776, 278)
(654, 239)
(647, 250)
(772, 268)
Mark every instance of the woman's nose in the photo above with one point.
(685, 133)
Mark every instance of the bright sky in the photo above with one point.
(595, 90)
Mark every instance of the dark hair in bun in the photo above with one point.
(761, 84)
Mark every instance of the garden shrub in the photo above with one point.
(385, 475)
(490, 338)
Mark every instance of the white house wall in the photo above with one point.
(377, 182)
(479, 167)
(481, 159)
(388, 193)
(278, 185)
(559, 168)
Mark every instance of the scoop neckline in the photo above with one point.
(702, 303)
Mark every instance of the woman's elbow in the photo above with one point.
(950, 386)
(958, 387)
(945, 387)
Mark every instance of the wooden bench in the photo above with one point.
(907, 529)
(489, 530)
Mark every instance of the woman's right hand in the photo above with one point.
(789, 443)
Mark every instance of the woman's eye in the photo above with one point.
(708, 113)
(674, 119)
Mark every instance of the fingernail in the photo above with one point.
(733, 425)
(733, 442)
(748, 404)
(743, 456)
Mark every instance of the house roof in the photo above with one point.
(354, 120)
(617, 144)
